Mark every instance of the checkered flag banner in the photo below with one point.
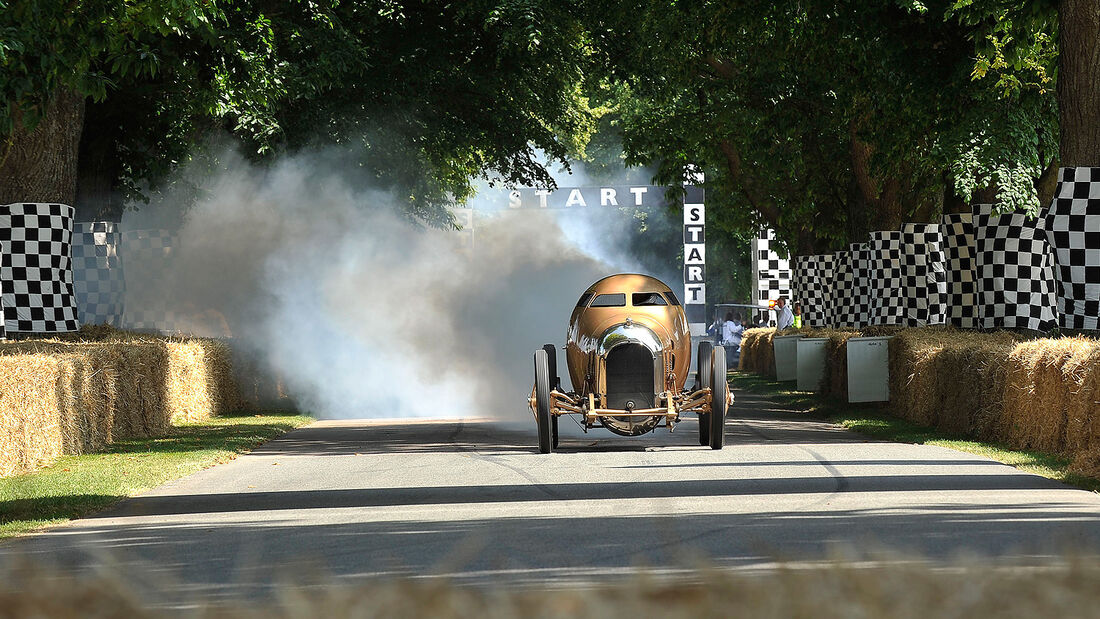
(863, 291)
(772, 273)
(1015, 272)
(148, 255)
(844, 312)
(813, 276)
(887, 279)
(3, 323)
(922, 262)
(97, 273)
(1072, 226)
(36, 272)
(962, 287)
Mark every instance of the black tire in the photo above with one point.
(718, 393)
(702, 370)
(542, 401)
(702, 381)
(552, 363)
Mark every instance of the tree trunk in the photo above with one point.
(1079, 82)
(889, 213)
(1047, 183)
(40, 165)
(98, 168)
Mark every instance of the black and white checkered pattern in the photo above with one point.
(844, 309)
(97, 273)
(36, 273)
(3, 324)
(1015, 272)
(887, 279)
(863, 291)
(148, 256)
(812, 288)
(922, 262)
(962, 287)
(772, 272)
(1072, 227)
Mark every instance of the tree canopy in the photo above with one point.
(826, 119)
(821, 119)
(427, 96)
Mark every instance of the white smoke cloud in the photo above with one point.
(363, 314)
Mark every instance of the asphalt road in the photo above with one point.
(473, 501)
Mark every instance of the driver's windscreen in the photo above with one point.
(617, 299)
(643, 299)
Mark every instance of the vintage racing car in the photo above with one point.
(628, 350)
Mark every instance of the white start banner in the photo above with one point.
(695, 259)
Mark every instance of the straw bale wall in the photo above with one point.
(757, 354)
(1041, 394)
(77, 394)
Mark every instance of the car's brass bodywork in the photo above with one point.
(657, 333)
(588, 325)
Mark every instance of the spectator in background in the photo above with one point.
(784, 318)
(797, 315)
(731, 331)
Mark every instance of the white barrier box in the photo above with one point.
(786, 357)
(810, 363)
(869, 369)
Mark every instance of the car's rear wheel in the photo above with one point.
(719, 391)
(542, 401)
(702, 381)
(555, 383)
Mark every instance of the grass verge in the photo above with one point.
(877, 422)
(76, 486)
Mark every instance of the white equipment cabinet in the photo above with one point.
(811, 363)
(869, 369)
(786, 357)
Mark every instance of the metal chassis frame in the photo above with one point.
(561, 404)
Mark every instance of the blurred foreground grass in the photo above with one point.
(875, 420)
(898, 589)
(75, 486)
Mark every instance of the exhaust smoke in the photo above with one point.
(365, 315)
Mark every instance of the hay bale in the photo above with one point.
(72, 395)
(1050, 399)
(1083, 413)
(950, 379)
(199, 383)
(757, 355)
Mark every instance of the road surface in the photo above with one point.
(473, 501)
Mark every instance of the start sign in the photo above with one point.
(641, 196)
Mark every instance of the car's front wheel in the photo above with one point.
(542, 401)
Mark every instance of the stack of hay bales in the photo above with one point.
(757, 354)
(950, 379)
(1041, 394)
(1052, 399)
(69, 397)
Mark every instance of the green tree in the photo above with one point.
(822, 119)
(423, 96)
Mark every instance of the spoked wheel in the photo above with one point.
(718, 393)
(702, 381)
(542, 401)
(555, 383)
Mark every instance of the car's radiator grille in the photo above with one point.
(630, 376)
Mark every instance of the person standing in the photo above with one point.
(797, 316)
(784, 319)
(731, 331)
